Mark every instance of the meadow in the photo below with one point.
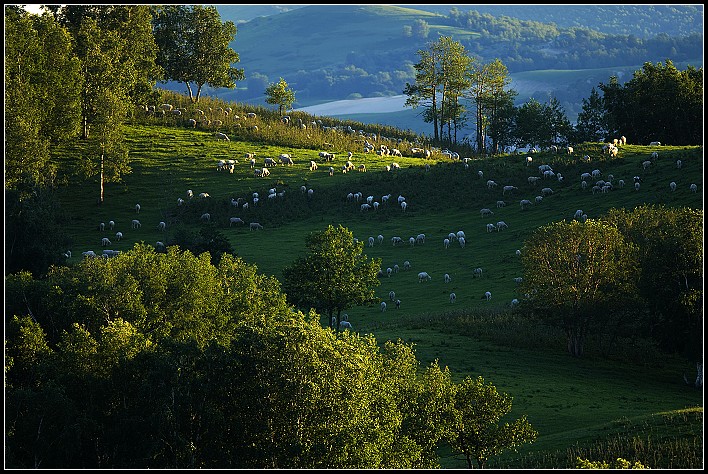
(579, 406)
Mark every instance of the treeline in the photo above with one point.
(660, 103)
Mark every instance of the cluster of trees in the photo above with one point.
(658, 103)
(633, 273)
(151, 360)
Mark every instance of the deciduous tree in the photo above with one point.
(334, 276)
(281, 95)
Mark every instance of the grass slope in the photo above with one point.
(567, 400)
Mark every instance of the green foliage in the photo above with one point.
(659, 103)
(334, 276)
(670, 243)
(575, 271)
(476, 432)
(194, 47)
(279, 94)
(619, 463)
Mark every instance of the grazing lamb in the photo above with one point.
(500, 204)
(453, 297)
(509, 189)
(255, 226)
(404, 205)
(447, 278)
(546, 191)
(490, 227)
(235, 220)
(313, 166)
(518, 252)
(501, 225)
(486, 212)
(423, 276)
(672, 185)
(389, 271)
(396, 240)
(345, 325)
(161, 226)
(383, 306)
(119, 235)
(286, 159)
(135, 224)
(487, 295)
(525, 203)
(105, 242)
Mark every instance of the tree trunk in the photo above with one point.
(100, 200)
(189, 89)
(575, 345)
(699, 375)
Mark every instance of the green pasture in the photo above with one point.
(566, 399)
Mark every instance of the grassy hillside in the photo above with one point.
(587, 406)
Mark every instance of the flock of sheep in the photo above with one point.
(364, 204)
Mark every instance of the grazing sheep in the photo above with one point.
(487, 295)
(105, 242)
(392, 295)
(514, 302)
(672, 185)
(406, 265)
(383, 306)
(646, 164)
(345, 325)
(490, 227)
(161, 226)
(420, 239)
(313, 166)
(371, 241)
(460, 235)
(411, 241)
(546, 191)
(447, 278)
(446, 243)
(655, 144)
(491, 184)
(486, 212)
(524, 203)
(462, 242)
(478, 272)
(518, 280)
(396, 240)
(578, 214)
(508, 188)
(404, 205)
(539, 199)
(102, 226)
(518, 252)
(395, 268)
(453, 297)
(398, 304)
(204, 195)
(206, 217)
(119, 235)
(636, 186)
(88, 253)
(255, 226)
(286, 159)
(500, 204)
(135, 224)
(380, 239)
(679, 163)
(137, 208)
(693, 188)
(501, 225)
(235, 220)
(423, 276)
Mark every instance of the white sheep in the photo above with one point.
(371, 241)
(646, 164)
(345, 325)
(395, 268)
(447, 278)
(500, 204)
(487, 295)
(102, 226)
(679, 163)
(462, 242)
(514, 302)
(137, 208)
(672, 185)
(406, 265)
(255, 226)
(398, 304)
(501, 225)
(111, 225)
(423, 276)
(396, 240)
(546, 191)
(490, 227)
(508, 188)
(578, 214)
(655, 144)
(119, 235)
(380, 238)
(453, 297)
(235, 220)
(478, 272)
(392, 295)
(460, 235)
(524, 203)
(411, 241)
(518, 252)
(446, 243)
(486, 212)
(420, 239)
(389, 271)
(206, 217)
(383, 306)
(693, 187)
(135, 224)
(404, 205)
(105, 242)
(161, 226)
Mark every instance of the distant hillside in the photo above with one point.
(337, 52)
